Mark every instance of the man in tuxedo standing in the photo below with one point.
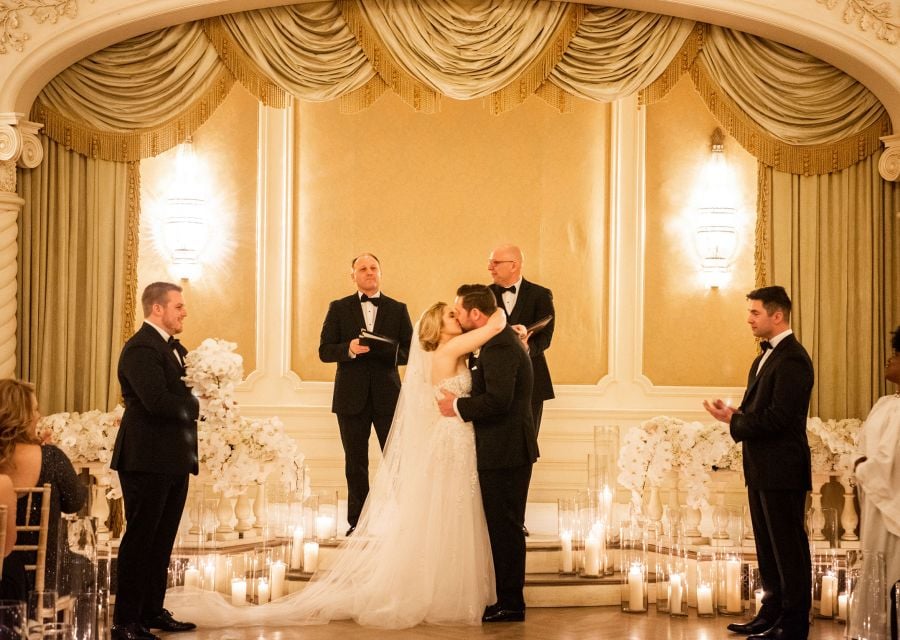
(505, 444)
(525, 303)
(771, 425)
(155, 450)
(367, 384)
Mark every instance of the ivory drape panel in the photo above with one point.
(791, 111)
(77, 236)
(833, 243)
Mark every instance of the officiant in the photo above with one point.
(525, 303)
(367, 383)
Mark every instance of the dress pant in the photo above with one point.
(504, 493)
(782, 549)
(154, 503)
(355, 429)
(537, 412)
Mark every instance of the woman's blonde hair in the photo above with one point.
(430, 326)
(16, 417)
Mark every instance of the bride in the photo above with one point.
(420, 552)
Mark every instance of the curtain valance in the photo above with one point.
(789, 109)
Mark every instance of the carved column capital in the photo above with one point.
(889, 165)
(19, 142)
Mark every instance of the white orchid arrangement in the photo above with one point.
(236, 450)
(85, 438)
(832, 444)
(662, 445)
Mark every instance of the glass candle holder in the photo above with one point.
(825, 585)
(326, 517)
(867, 593)
(566, 526)
(730, 581)
(754, 588)
(634, 589)
(678, 580)
(705, 584)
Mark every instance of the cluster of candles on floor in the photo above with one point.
(714, 580)
(259, 576)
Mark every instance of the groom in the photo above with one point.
(505, 444)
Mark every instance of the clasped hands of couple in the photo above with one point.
(445, 403)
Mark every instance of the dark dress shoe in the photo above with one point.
(133, 631)
(350, 531)
(781, 633)
(504, 615)
(757, 625)
(165, 622)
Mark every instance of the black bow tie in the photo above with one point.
(765, 345)
(173, 341)
(365, 298)
(511, 289)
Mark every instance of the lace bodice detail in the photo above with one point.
(458, 385)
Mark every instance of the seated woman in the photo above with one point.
(29, 463)
(878, 478)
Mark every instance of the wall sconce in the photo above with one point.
(186, 225)
(715, 236)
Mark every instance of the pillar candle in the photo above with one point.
(842, 607)
(209, 575)
(829, 588)
(278, 571)
(310, 556)
(192, 577)
(676, 592)
(238, 592)
(324, 526)
(262, 591)
(704, 599)
(592, 556)
(733, 586)
(568, 558)
(635, 588)
(297, 548)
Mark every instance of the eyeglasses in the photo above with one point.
(494, 263)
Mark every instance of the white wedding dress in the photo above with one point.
(420, 552)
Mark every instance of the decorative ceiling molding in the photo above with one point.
(11, 33)
(876, 16)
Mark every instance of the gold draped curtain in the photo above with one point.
(798, 115)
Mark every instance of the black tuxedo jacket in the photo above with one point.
(159, 428)
(500, 404)
(534, 303)
(370, 373)
(772, 420)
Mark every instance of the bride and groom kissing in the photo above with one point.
(440, 536)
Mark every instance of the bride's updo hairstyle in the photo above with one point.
(430, 325)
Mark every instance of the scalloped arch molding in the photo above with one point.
(838, 31)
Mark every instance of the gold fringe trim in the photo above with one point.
(420, 97)
(762, 255)
(680, 65)
(804, 160)
(558, 98)
(137, 144)
(364, 97)
(242, 67)
(535, 76)
(132, 244)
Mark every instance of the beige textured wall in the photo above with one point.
(221, 303)
(431, 194)
(692, 335)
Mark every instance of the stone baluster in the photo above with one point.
(849, 517)
(261, 509)
(815, 517)
(243, 512)
(224, 515)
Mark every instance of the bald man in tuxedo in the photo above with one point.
(525, 303)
